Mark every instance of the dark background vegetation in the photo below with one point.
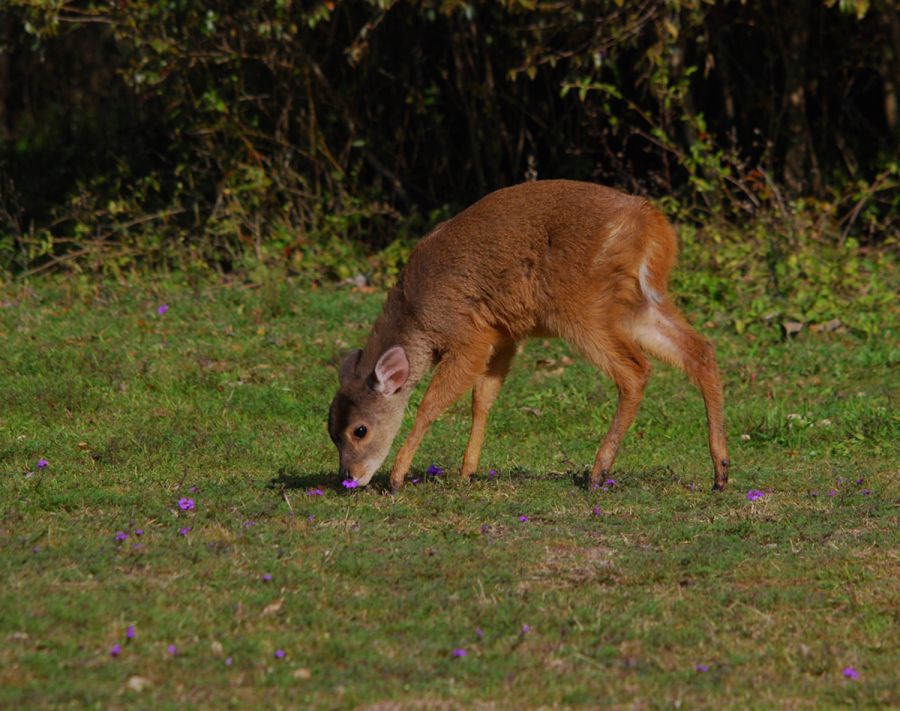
(173, 132)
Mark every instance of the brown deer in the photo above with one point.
(555, 258)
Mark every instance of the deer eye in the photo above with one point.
(360, 432)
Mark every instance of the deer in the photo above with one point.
(549, 258)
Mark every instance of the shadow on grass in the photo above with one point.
(290, 479)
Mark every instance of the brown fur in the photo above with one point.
(560, 258)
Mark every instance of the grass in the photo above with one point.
(223, 399)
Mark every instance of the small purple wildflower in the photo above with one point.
(42, 463)
(434, 470)
(279, 654)
(139, 532)
(859, 481)
(479, 633)
(129, 632)
(162, 309)
(310, 518)
(249, 524)
(193, 489)
(115, 650)
(415, 481)
(832, 493)
(754, 495)
(492, 472)
(526, 629)
(184, 531)
(172, 649)
(121, 536)
(524, 519)
(851, 673)
(349, 483)
(186, 504)
(865, 492)
(596, 511)
(701, 668)
(460, 652)
(315, 492)
(610, 483)
(229, 661)
(267, 577)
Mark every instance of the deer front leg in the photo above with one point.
(455, 374)
(483, 396)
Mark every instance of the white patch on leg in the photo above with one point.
(651, 330)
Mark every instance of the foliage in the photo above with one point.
(148, 133)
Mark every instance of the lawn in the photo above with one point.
(173, 533)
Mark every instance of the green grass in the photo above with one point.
(371, 593)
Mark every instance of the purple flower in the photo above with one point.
(315, 492)
(139, 532)
(162, 309)
(193, 489)
(229, 661)
(434, 470)
(596, 511)
(492, 472)
(526, 629)
(610, 483)
(865, 492)
(349, 483)
(310, 518)
(832, 492)
(524, 519)
(172, 649)
(859, 481)
(460, 652)
(249, 524)
(184, 531)
(121, 536)
(267, 577)
(186, 504)
(754, 495)
(279, 654)
(129, 632)
(42, 463)
(851, 673)
(415, 481)
(701, 668)
(115, 650)
(479, 633)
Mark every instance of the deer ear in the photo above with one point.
(348, 367)
(391, 370)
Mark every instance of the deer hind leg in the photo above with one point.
(457, 372)
(629, 368)
(483, 395)
(662, 331)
